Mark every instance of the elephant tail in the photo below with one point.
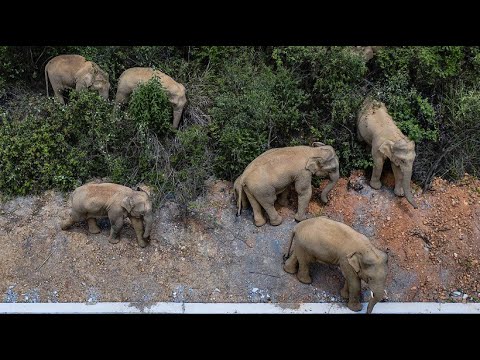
(46, 79)
(287, 255)
(239, 192)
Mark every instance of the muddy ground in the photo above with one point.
(434, 251)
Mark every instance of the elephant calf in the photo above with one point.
(93, 200)
(75, 72)
(132, 77)
(377, 128)
(271, 173)
(332, 242)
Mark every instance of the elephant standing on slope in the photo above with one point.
(132, 77)
(272, 172)
(75, 72)
(93, 200)
(331, 242)
(377, 128)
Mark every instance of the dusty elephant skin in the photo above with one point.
(377, 128)
(271, 173)
(132, 77)
(75, 72)
(91, 201)
(332, 242)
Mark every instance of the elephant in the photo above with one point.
(271, 173)
(94, 200)
(377, 128)
(331, 242)
(132, 77)
(75, 72)
(366, 52)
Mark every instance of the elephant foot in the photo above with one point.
(399, 191)
(290, 268)
(113, 240)
(354, 306)
(260, 222)
(276, 221)
(94, 229)
(344, 293)
(300, 217)
(375, 184)
(142, 243)
(306, 279)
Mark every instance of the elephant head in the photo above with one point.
(90, 76)
(371, 266)
(402, 154)
(138, 205)
(324, 162)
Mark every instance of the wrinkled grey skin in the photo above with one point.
(94, 200)
(75, 72)
(270, 174)
(377, 128)
(331, 242)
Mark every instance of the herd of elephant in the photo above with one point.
(264, 181)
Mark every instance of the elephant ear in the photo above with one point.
(317, 144)
(127, 204)
(386, 148)
(313, 164)
(354, 262)
(84, 76)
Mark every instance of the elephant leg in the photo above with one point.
(377, 171)
(397, 172)
(120, 98)
(116, 225)
(257, 209)
(73, 217)
(291, 264)
(282, 198)
(58, 91)
(304, 260)
(92, 226)
(266, 201)
(304, 191)
(138, 226)
(354, 294)
(177, 116)
(344, 292)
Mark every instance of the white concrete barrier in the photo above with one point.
(235, 308)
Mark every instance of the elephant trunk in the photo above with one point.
(334, 176)
(104, 93)
(147, 223)
(378, 292)
(407, 175)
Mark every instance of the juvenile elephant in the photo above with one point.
(75, 72)
(376, 127)
(272, 172)
(93, 200)
(132, 77)
(327, 241)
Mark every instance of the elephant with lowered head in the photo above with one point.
(132, 77)
(75, 72)
(332, 242)
(271, 173)
(94, 200)
(377, 128)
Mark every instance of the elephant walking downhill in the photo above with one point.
(132, 77)
(93, 200)
(75, 72)
(377, 128)
(271, 173)
(332, 242)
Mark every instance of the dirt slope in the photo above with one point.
(434, 251)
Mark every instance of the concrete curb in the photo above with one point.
(235, 308)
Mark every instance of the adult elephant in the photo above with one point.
(377, 128)
(132, 77)
(94, 200)
(271, 173)
(75, 72)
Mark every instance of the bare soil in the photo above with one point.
(214, 256)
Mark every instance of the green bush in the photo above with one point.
(150, 108)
